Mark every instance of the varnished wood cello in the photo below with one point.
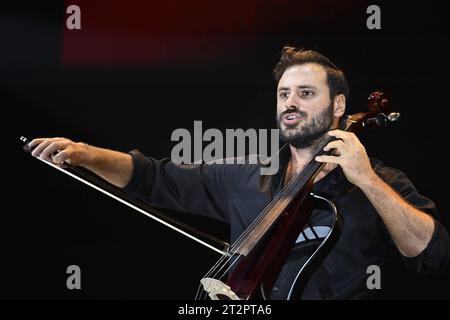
(256, 258)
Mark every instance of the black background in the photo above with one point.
(49, 221)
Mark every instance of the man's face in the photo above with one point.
(304, 108)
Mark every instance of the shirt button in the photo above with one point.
(275, 289)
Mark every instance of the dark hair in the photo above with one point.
(291, 56)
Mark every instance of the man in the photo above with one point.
(379, 205)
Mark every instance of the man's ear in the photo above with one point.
(339, 105)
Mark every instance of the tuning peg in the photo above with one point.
(382, 120)
(394, 117)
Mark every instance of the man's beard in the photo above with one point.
(304, 134)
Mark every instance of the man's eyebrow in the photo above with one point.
(306, 86)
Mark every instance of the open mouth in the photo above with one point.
(291, 119)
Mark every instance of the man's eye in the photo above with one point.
(283, 95)
(307, 93)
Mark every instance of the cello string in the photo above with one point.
(316, 151)
(241, 240)
(346, 126)
(282, 195)
(207, 275)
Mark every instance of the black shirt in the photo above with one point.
(237, 193)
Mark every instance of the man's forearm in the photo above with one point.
(113, 166)
(410, 228)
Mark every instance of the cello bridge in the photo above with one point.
(217, 290)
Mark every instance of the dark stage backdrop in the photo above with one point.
(137, 70)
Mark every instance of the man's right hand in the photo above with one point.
(59, 150)
(113, 166)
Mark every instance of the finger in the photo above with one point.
(336, 144)
(37, 151)
(63, 165)
(61, 157)
(336, 152)
(52, 148)
(344, 136)
(329, 159)
(44, 144)
(35, 142)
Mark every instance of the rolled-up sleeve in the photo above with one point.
(201, 189)
(435, 257)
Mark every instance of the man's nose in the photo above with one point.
(291, 107)
(291, 103)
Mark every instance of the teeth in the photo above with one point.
(291, 117)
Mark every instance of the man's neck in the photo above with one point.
(302, 156)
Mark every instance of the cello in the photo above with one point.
(256, 258)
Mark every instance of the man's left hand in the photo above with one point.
(351, 155)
